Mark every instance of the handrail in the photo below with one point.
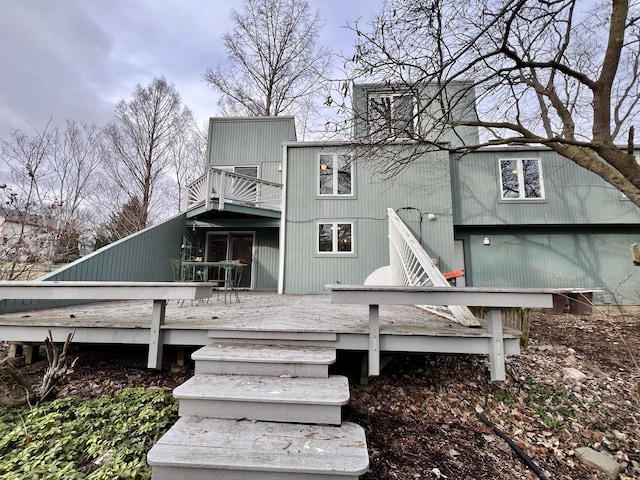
(228, 187)
(412, 266)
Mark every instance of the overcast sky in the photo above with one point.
(75, 59)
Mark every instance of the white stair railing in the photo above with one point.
(411, 266)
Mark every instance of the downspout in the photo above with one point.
(283, 222)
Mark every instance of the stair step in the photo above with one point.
(204, 448)
(277, 399)
(260, 359)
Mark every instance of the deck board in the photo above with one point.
(255, 311)
(402, 327)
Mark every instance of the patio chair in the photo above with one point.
(232, 277)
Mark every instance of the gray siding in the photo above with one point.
(423, 188)
(141, 257)
(555, 257)
(265, 260)
(250, 141)
(573, 195)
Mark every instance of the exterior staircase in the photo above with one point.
(260, 409)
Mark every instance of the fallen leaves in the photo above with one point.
(420, 414)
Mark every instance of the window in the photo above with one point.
(335, 237)
(248, 170)
(336, 174)
(521, 179)
(391, 115)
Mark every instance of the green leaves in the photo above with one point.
(72, 438)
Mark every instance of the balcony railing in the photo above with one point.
(224, 187)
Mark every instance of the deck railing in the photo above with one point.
(226, 187)
(411, 266)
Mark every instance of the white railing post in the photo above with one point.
(222, 189)
(209, 189)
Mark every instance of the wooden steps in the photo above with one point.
(262, 359)
(204, 448)
(277, 399)
(259, 411)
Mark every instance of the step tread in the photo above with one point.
(258, 353)
(333, 390)
(195, 442)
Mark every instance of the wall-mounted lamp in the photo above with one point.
(431, 216)
(486, 241)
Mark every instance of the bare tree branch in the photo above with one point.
(141, 141)
(516, 71)
(274, 64)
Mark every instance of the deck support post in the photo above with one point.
(496, 347)
(155, 334)
(374, 340)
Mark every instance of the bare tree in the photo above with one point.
(141, 141)
(51, 174)
(24, 214)
(560, 73)
(274, 63)
(77, 155)
(189, 161)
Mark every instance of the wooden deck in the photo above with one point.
(257, 316)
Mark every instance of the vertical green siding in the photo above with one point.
(559, 257)
(251, 141)
(573, 195)
(143, 256)
(265, 260)
(422, 189)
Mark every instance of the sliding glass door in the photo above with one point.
(232, 246)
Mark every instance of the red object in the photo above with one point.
(454, 274)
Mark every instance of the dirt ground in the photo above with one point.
(576, 384)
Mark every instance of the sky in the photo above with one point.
(75, 59)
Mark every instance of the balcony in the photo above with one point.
(218, 188)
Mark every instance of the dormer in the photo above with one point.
(405, 113)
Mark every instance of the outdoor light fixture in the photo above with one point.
(486, 241)
(323, 166)
(431, 216)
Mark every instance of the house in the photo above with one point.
(300, 215)
(23, 236)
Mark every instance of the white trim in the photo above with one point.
(283, 221)
(521, 186)
(335, 176)
(229, 234)
(334, 240)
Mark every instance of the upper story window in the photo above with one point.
(248, 170)
(336, 174)
(391, 115)
(521, 179)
